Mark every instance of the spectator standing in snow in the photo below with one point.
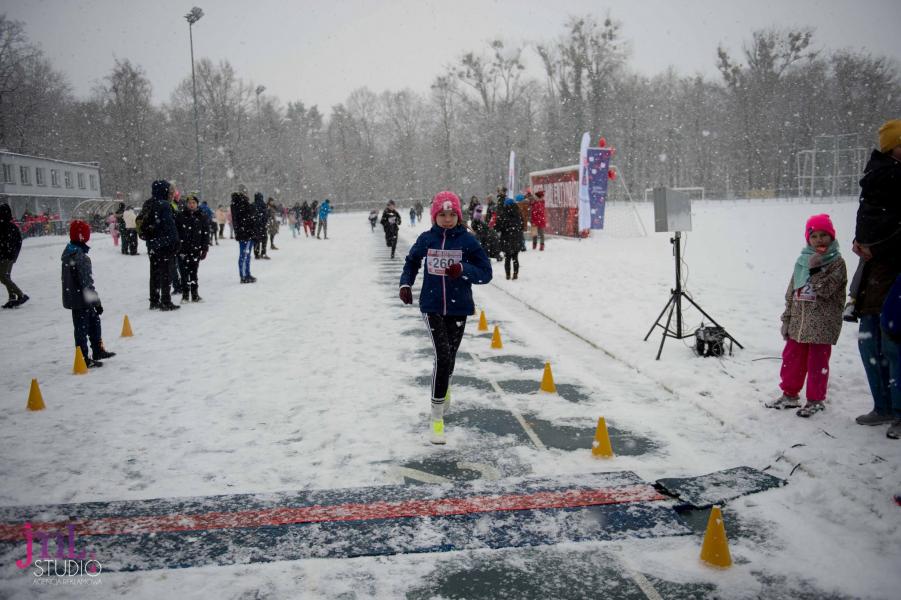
(454, 261)
(221, 217)
(130, 237)
(391, 224)
(538, 217)
(243, 227)
(306, 215)
(260, 226)
(272, 224)
(112, 223)
(10, 245)
(878, 243)
(194, 242)
(812, 320)
(324, 211)
(412, 216)
(373, 218)
(80, 297)
(509, 225)
(161, 235)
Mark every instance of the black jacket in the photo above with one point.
(879, 227)
(193, 233)
(10, 236)
(242, 217)
(509, 225)
(390, 222)
(260, 216)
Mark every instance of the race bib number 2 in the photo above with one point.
(437, 261)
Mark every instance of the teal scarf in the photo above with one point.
(802, 265)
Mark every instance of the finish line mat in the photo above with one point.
(247, 528)
(716, 488)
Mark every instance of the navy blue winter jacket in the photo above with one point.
(164, 241)
(440, 248)
(77, 278)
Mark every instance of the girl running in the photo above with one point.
(454, 261)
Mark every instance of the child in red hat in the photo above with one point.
(812, 320)
(79, 294)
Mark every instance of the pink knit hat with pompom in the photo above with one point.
(819, 223)
(446, 201)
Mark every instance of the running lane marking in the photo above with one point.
(12, 532)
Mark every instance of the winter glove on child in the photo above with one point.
(785, 331)
(406, 295)
(203, 255)
(454, 271)
(815, 260)
(98, 308)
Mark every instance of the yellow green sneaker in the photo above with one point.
(447, 399)
(438, 432)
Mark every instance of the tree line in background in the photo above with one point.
(739, 134)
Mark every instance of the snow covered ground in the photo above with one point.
(313, 379)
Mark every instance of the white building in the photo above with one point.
(46, 184)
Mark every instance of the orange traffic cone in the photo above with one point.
(601, 447)
(80, 367)
(547, 380)
(35, 400)
(126, 327)
(496, 342)
(715, 549)
(483, 322)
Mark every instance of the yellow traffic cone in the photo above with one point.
(547, 380)
(496, 342)
(35, 400)
(483, 322)
(80, 367)
(715, 549)
(601, 447)
(126, 327)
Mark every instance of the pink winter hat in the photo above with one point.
(446, 201)
(819, 223)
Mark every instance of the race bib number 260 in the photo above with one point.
(439, 260)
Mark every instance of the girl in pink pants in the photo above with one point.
(812, 320)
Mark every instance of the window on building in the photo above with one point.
(24, 175)
(80, 181)
(93, 180)
(8, 174)
(54, 177)
(68, 177)
(39, 177)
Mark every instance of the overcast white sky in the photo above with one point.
(319, 51)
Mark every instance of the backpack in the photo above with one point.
(145, 222)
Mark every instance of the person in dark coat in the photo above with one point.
(10, 245)
(391, 224)
(260, 221)
(80, 296)
(194, 237)
(877, 240)
(162, 244)
(509, 225)
(120, 226)
(243, 226)
(272, 224)
(306, 215)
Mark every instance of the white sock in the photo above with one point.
(437, 409)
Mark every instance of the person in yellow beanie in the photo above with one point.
(877, 241)
(890, 138)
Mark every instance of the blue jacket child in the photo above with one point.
(79, 294)
(454, 261)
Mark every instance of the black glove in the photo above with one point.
(406, 295)
(454, 271)
(203, 255)
(98, 308)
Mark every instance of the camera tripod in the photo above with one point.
(674, 304)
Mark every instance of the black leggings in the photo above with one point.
(515, 257)
(446, 332)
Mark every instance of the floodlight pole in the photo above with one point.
(192, 17)
(674, 304)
